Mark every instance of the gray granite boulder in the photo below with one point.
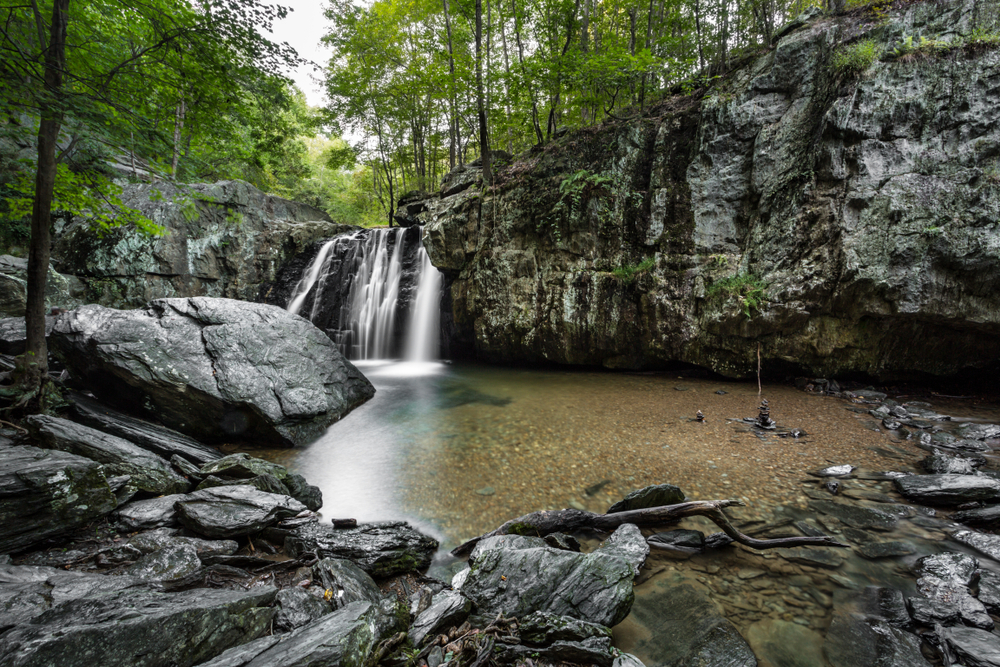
(217, 370)
(381, 549)
(44, 493)
(232, 511)
(861, 636)
(149, 472)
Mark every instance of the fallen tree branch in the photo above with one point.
(540, 524)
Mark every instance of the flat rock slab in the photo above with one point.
(519, 575)
(44, 493)
(976, 648)
(381, 549)
(985, 517)
(148, 471)
(828, 558)
(855, 515)
(149, 514)
(984, 543)
(345, 638)
(233, 511)
(860, 636)
(948, 489)
(217, 370)
(157, 439)
(874, 550)
(448, 608)
(139, 628)
(154, 540)
(166, 564)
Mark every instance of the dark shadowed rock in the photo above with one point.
(149, 472)
(346, 581)
(948, 489)
(149, 514)
(650, 496)
(976, 648)
(13, 333)
(160, 538)
(684, 539)
(885, 603)
(345, 638)
(139, 628)
(785, 644)
(381, 549)
(542, 629)
(874, 550)
(859, 636)
(519, 575)
(215, 369)
(307, 494)
(231, 511)
(989, 590)
(44, 493)
(448, 608)
(590, 651)
(266, 483)
(985, 517)
(166, 564)
(157, 439)
(297, 607)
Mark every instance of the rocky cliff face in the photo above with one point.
(224, 239)
(869, 204)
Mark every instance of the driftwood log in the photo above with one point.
(540, 524)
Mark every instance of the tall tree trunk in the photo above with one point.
(506, 97)
(454, 133)
(554, 110)
(484, 140)
(34, 364)
(524, 73)
(697, 30)
(178, 129)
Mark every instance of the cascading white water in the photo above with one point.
(422, 336)
(366, 275)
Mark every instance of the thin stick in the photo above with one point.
(758, 369)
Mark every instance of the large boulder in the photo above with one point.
(519, 575)
(381, 549)
(44, 493)
(233, 511)
(215, 369)
(148, 471)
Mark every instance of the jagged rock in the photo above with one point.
(855, 515)
(44, 493)
(986, 517)
(949, 566)
(166, 564)
(305, 493)
(448, 608)
(231, 511)
(346, 581)
(157, 439)
(149, 514)
(989, 590)
(650, 496)
(984, 543)
(859, 636)
(944, 586)
(685, 539)
(519, 575)
(974, 431)
(940, 464)
(686, 627)
(242, 466)
(542, 629)
(346, 637)
(186, 468)
(948, 489)
(13, 333)
(381, 549)
(296, 608)
(148, 471)
(590, 651)
(139, 628)
(266, 483)
(627, 660)
(160, 538)
(976, 648)
(215, 369)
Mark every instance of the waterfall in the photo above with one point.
(376, 294)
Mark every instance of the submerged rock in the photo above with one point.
(215, 369)
(855, 515)
(381, 549)
(860, 636)
(517, 575)
(149, 472)
(44, 493)
(232, 511)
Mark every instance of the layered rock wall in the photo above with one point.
(869, 204)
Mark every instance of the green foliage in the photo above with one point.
(628, 273)
(911, 48)
(749, 290)
(855, 59)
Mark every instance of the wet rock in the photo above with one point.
(874, 550)
(944, 597)
(158, 439)
(44, 493)
(346, 637)
(231, 511)
(949, 566)
(976, 648)
(685, 539)
(346, 582)
(297, 607)
(974, 431)
(686, 628)
(650, 496)
(244, 653)
(149, 472)
(166, 564)
(160, 538)
(242, 466)
(854, 515)
(149, 514)
(835, 471)
(785, 644)
(139, 628)
(186, 468)
(960, 608)
(814, 557)
(984, 543)
(832, 486)
(948, 489)
(381, 549)
(940, 464)
(989, 590)
(562, 541)
(857, 638)
(215, 369)
(447, 609)
(717, 541)
(986, 517)
(627, 659)
(265, 483)
(590, 651)
(542, 629)
(519, 575)
(305, 493)
(885, 603)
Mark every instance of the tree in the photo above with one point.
(101, 71)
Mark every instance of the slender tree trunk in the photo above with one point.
(506, 97)
(454, 135)
(34, 363)
(178, 129)
(554, 111)
(697, 30)
(524, 73)
(484, 140)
